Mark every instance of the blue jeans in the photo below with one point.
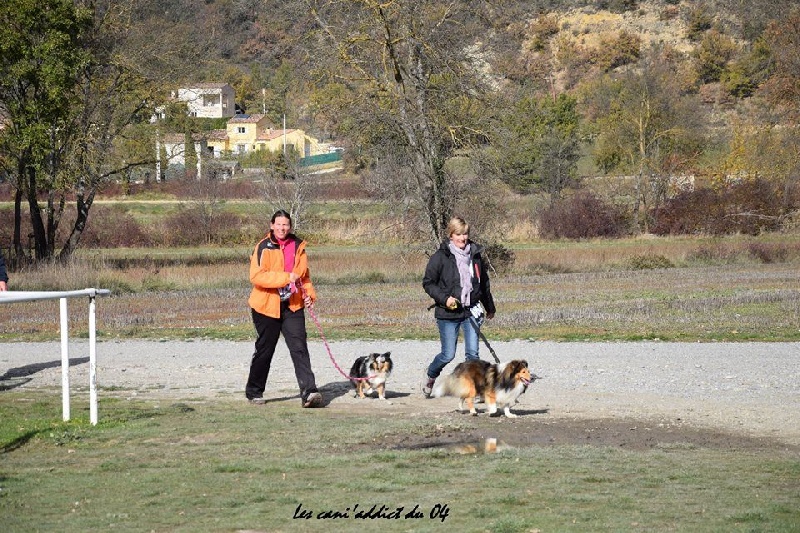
(448, 334)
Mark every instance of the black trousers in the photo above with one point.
(293, 327)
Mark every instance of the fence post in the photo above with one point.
(92, 362)
(64, 359)
(29, 296)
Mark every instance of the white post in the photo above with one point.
(158, 158)
(64, 360)
(30, 296)
(92, 364)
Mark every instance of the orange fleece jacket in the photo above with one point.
(267, 276)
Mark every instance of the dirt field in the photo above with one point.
(632, 395)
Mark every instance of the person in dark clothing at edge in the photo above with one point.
(3, 273)
(456, 278)
(282, 288)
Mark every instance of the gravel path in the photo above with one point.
(746, 388)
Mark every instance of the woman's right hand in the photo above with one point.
(451, 303)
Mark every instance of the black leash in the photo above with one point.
(478, 329)
(534, 377)
(483, 338)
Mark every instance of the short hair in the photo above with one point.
(457, 226)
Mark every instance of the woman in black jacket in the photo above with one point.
(457, 279)
(3, 273)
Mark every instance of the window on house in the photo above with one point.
(241, 148)
(241, 129)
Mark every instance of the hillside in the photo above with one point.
(437, 104)
(653, 22)
(247, 42)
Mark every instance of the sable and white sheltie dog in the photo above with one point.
(372, 371)
(500, 384)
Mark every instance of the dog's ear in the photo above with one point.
(387, 354)
(518, 365)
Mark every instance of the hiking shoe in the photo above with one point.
(427, 385)
(257, 401)
(313, 399)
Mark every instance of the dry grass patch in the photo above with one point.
(679, 289)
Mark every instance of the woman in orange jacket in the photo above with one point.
(281, 290)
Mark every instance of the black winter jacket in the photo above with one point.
(441, 281)
(3, 273)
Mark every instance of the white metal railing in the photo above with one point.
(29, 296)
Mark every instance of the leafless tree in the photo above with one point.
(409, 74)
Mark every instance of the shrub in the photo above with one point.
(199, 225)
(616, 52)
(710, 254)
(543, 28)
(500, 258)
(649, 262)
(582, 216)
(768, 253)
(700, 21)
(713, 54)
(749, 207)
(110, 227)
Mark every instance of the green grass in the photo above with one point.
(222, 465)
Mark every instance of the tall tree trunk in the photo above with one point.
(37, 223)
(71, 244)
(19, 252)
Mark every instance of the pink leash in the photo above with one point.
(325, 342)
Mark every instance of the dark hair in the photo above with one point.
(281, 213)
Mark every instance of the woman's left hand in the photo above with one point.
(308, 301)
(490, 315)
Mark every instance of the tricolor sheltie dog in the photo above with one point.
(499, 384)
(372, 371)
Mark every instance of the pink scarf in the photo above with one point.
(288, 247)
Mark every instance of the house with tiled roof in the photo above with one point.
(249, 133)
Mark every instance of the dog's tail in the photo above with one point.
(450, 386)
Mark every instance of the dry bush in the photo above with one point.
(713, 254)
(649, 262)
(773, 252)
(501, 258)
(582, 216)
(344, 189)
(617, 51)
(107, 227)
(749, 207)
(201, 225)
(542, 28)
(112, 227)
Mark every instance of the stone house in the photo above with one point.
(208, 100)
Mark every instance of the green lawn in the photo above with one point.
(221, 465)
